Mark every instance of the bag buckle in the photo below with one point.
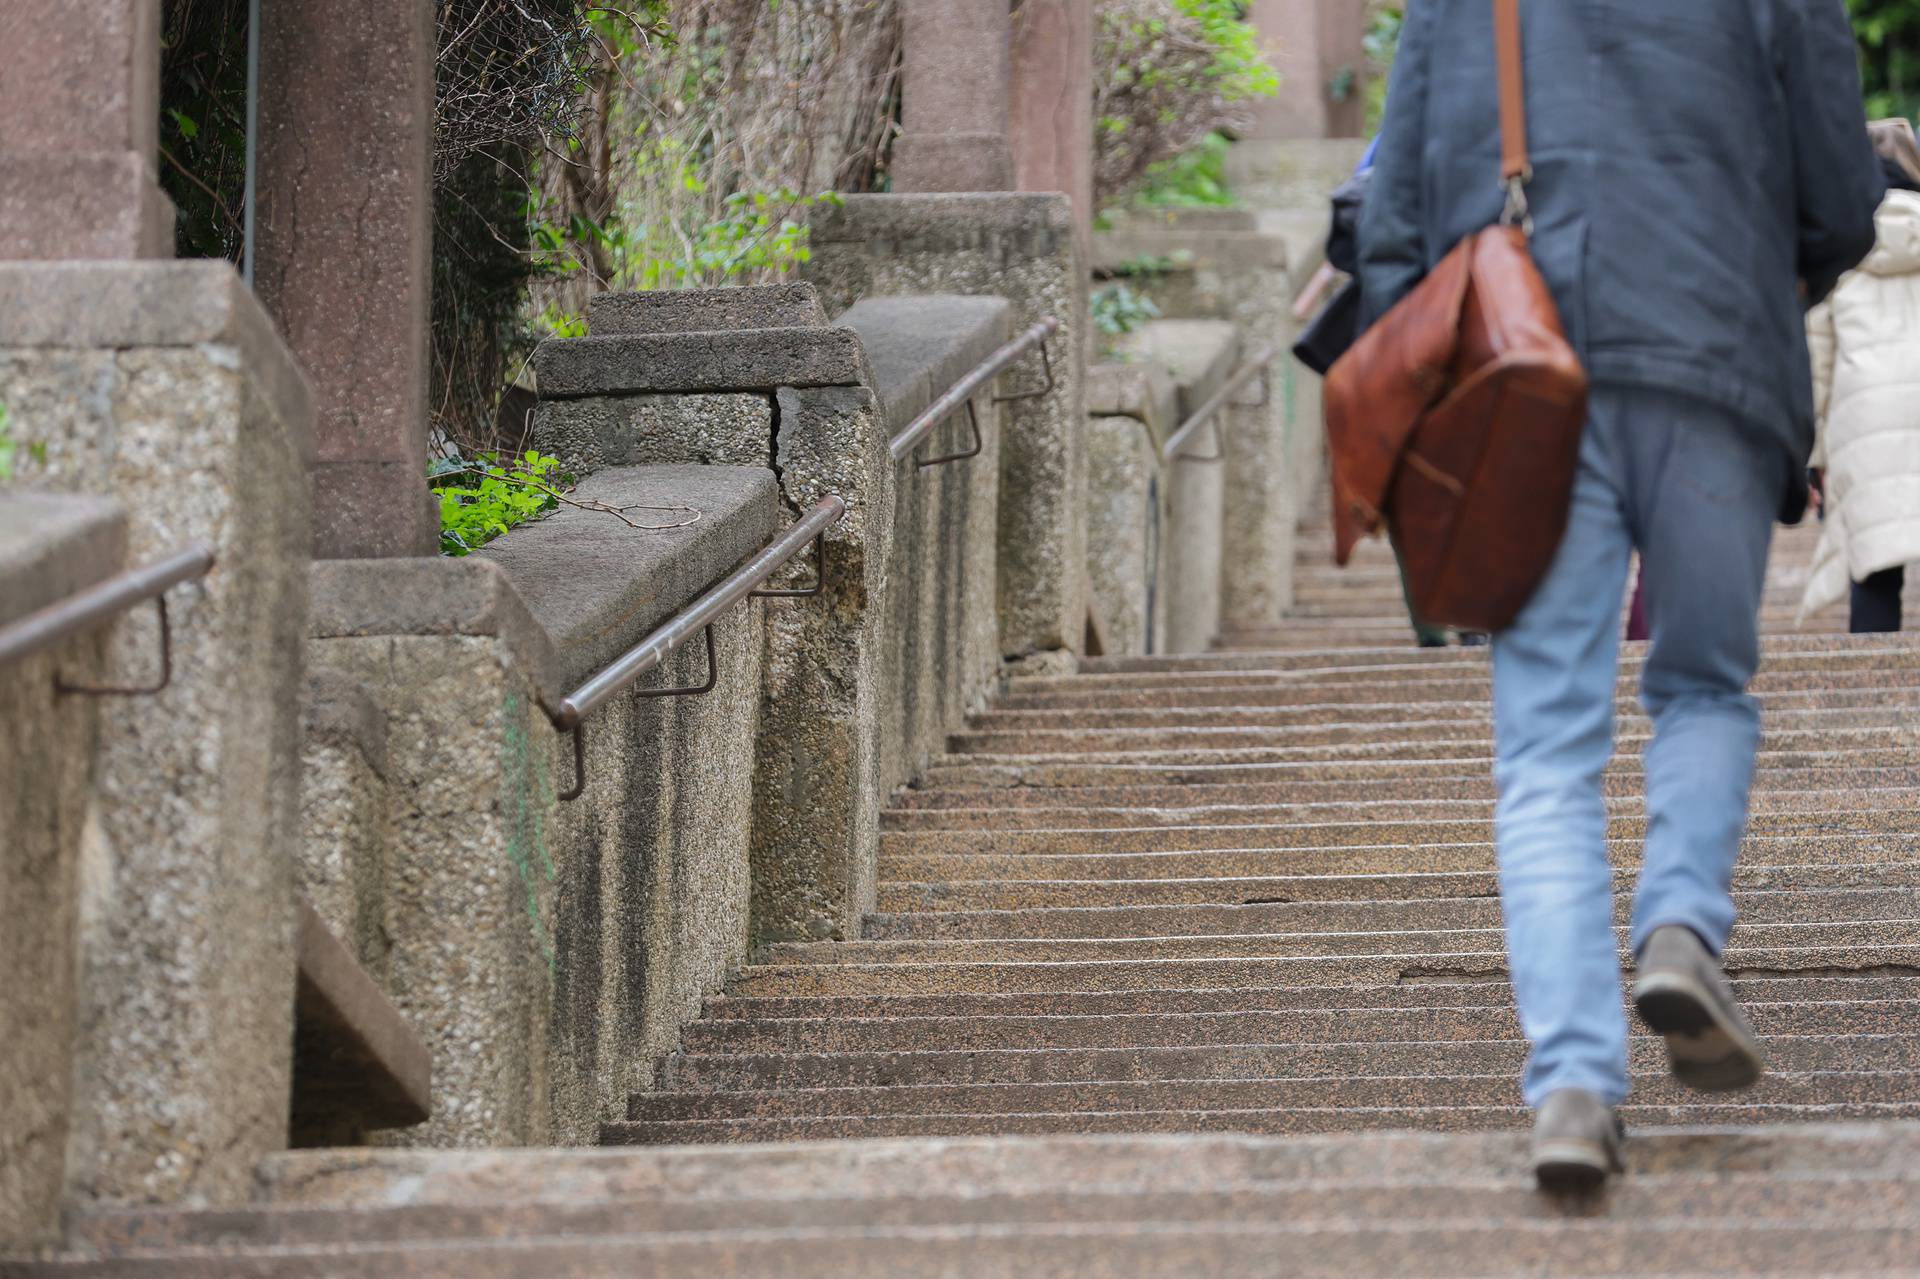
(1517, 213)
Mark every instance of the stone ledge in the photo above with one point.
(119, 305)
(569, 592)
(1115, 252)
(920, 345)
(1200, 355)
(358, 1062)
(1144, 391)
(54, 545)
(747, 359)
(595, 587)
(758, 306)
(1021, 225)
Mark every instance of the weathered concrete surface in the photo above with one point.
(759, 306)
(1126, 512)
(1245, 267)
(79, 144)
(50, 547)
(548, 951)
(344, 255)
(957, 60)
(1291, 173)
(1020, 247)
(346, 816)
(817, 774)
(943, 652)
(199, 425)
(1199, 355)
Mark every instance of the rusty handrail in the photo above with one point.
(963, 391)
(661, 643)
(103, 601)
(1170, 451)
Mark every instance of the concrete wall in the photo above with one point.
(547, 951)
(164, 385)
(943, 653)
(50, 548)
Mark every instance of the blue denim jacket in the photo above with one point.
(1694, 162)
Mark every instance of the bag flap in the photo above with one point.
(1377, 392)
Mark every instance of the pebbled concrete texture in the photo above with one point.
(622, 364)
(596, 432)
(1127, 567)
(548, 952)
(758, 306)
(164, 386)
(347, 816)
(1022, 248)
(51, 546)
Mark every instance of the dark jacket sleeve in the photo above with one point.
(1835, 170)
(1393, 256)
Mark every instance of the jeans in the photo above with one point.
(1876, 602)
(1696, 491)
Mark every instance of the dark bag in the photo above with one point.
(1456, 419)
(1331, 333)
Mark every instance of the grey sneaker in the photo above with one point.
(1576, 1141)
(1682, 995)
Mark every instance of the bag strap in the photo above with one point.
(1515, 168)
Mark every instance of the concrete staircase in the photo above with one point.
(1230, 910)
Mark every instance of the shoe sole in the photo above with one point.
(1706, 1049)
(1571, 1166)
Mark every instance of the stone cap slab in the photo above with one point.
(1121, 251)
(119, 305)
(1017, 225)
(53, 545)
(596, 586)
(572, 591)
(1144, 391)
(1200, 355)
(920, 345)
(745, 360)
(755, 306)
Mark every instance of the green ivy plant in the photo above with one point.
(481, 499)
(10, 449)
(1118, 310)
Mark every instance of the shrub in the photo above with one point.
(482, 499)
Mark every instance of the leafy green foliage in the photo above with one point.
(1380, 43)
(1889, 34)
(10, 449)
(482, 499)
(1194, 179)
(1118, 310)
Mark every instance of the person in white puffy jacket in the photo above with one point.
(1865, 342)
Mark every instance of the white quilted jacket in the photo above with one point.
(1865, 341)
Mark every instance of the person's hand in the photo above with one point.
(1816, 489)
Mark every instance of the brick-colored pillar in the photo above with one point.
(1051, 102)
(953, 109)
(344, 240)
(80, 135)
(1317, 46)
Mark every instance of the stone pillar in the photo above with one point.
(80, 134)
(955, 83)
(1051, 103)
(163, 385)
(1020, 247)
(1317, 46)
(343, 257)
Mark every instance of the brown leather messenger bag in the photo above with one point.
(1456, 420)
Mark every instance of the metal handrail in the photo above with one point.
(102, 602)
(963, 391)
(650, 652)
(1262, 358)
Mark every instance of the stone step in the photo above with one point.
(1066, 815)
(1266, 1121)
(1893, 724)
(1462, 786)
(1227, 1248)
(1892, 827)
(889, 1034)
(1176, 1000)
(931, 1063)
(1800, 905)
(1375, 880)
(1797, 652)
(1312, 970)
(1834, 934)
